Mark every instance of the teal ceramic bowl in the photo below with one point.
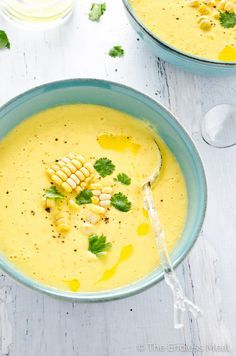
(173, 55)
(142, 107)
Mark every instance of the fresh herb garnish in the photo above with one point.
(96, 11)
(120, 202)
(84, 197)
(227, 19)
(4, 41)
(98, 245)
(123, 178)
(104, 167)
(53, 193)
(116, 51)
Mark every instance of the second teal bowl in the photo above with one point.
(173, 55)
(142, 107)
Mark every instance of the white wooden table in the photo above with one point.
(33, 324)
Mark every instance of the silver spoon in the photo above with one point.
(181, 303)
(219, 126)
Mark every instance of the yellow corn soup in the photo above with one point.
(96, 234)
(205, 29)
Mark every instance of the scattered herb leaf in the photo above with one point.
(53, 193)
(96, 11)
(98, 245)
(84, 197)
(123, 178)
(4, 41)
(120, 202)
(227, 19)
(116, 51)
(104, 167)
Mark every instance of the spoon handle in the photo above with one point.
(181, 303)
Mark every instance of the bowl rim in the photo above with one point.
(168, 47)
(121, 292)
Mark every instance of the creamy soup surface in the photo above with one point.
(205, 29)
(58, 241)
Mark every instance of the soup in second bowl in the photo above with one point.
(205, 29)
(72, 211)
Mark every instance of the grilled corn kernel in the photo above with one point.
(203, 9)
(83, 185)
(85, 172)
(97, 209)
(60, 163)
(65, 159)
(107, 190)
(105, 203)
(80, 175)
(89, 167)
(71, 167)
(56, 179)
(221, 5)
(81, 159)
(55, 167)
(48, 203)
(72, 204)
(61, 175)
(229, 7)
(95, 200)
(88, 180)
(216, 15)
(205, 25)
(93, 218)
(71, 182)
(66, 171)
(96, 192)
(75, 178)
(76, 163)
(62, 221)
(50, 171)
(63, 227)
(78, 189)
(211, 3)
(71, 155)
(105, 196)
(66, 187)
(63, 214)
(87, 228)
(95, 186)
(194, 3)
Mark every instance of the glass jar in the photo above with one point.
(39, 12)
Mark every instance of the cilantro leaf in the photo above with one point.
(53, 193)
(84, 197)
(123, 178)
(96, 11)
(104, 167)
(4, 41)
(120, 202)
(227, 19)
(98, 245)
(116, 51)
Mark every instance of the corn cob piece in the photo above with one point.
(101, 200)
(62, 221)
(101, 195)
(71, 173)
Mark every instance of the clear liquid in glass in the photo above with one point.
(37, 11)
